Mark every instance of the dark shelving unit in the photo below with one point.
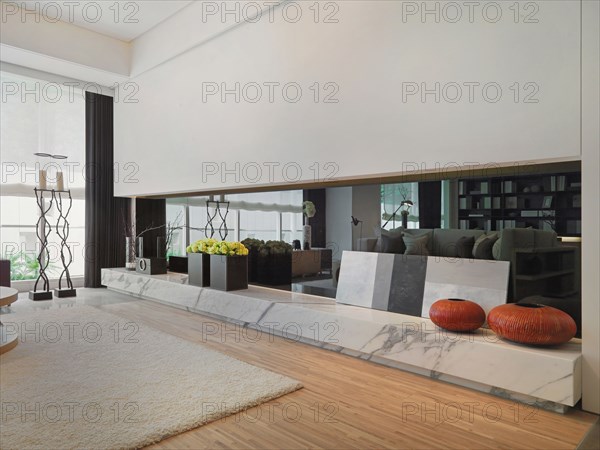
(541, 201)
(551, 272)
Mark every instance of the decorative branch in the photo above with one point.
(128, 227)
(171, 228)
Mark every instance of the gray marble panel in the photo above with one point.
(356, 284)
(408, 284)
(383, 281)
(484, 282)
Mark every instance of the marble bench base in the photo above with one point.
(548, 378)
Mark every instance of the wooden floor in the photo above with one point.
(350, 403)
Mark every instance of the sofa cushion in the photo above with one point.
(416, 245)
(379, 231)
(515, 238)
(464, 247)
(484, 245)
(545, 238)
(496, 249)
(419, 233)
(392, 243)
(366, 244)
(444, 241)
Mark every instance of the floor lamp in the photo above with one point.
(354, 221)
(404, 213)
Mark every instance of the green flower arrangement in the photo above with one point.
(309, 209)
(214, 247)
(253, 245)
(201, 246)
(275, 248)
(227, 249)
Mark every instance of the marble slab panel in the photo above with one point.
(382, 281)
(482, 281)
(383, 278)
(407, 284)
(358, 273)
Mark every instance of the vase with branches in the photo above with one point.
(131, 238)
(308, 211)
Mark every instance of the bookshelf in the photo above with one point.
(550, 272)
(541, 201)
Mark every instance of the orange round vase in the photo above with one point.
(529, 323)
(457, 315)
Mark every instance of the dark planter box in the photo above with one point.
(151, 266)
(178, 264)
(274, 270)
(199, 269)
(228, 273)
(253, 261)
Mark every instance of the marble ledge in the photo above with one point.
(542, 376)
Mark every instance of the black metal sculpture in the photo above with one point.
(42, 230)
(66, 256)
(223, 231)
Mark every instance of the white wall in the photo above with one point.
(192, 25)
(590, 208)
(368, 54)
(338, 229)
(362, 202)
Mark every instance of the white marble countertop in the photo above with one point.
(478, 359)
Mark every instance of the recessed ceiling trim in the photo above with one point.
(123, 20)
(35, 65)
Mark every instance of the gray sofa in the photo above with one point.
(442, 242)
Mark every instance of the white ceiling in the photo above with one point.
(125, 22)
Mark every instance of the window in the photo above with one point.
(39, 116)
(265, 215)
(392, 196)
(262, 225)
(176, 214)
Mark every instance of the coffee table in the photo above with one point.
(7, 297)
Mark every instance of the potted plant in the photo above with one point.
(228, 266)
(199, 262)
(275, 263)
(253, 246)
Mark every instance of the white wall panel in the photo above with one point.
(369, 53)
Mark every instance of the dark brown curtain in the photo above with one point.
(430, 204)
(104, 213)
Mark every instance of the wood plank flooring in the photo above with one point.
(351, 403)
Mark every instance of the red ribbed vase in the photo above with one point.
(529, 323)
(455, 314)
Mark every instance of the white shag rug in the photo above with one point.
(83, 378)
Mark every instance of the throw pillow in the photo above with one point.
(496, 249)
(416, 245)
(464, 247)
(483, 246)
(392, 243)
(379, 231)
(479, 240)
